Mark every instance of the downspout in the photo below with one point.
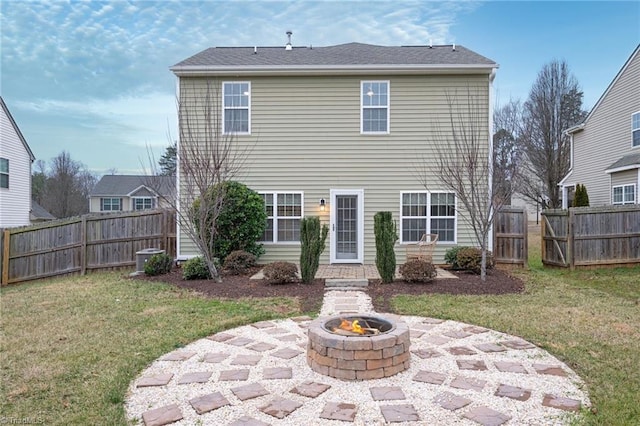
(177, 192)
(492, 77)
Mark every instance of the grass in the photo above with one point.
(71, 346)
(590, 319)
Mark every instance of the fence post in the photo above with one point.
(570, 248)
(543, 231)
(83, 247)
(5, 256)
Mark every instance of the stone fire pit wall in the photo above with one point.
(358, 357)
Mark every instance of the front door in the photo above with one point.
(347, 227)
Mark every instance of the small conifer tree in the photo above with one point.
(386, 236)
(581, 198)
(312, 240)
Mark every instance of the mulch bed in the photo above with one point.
(310, 295)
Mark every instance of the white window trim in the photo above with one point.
(110, 203)
(634, 129)
(275, 216)
(8, 173)
(624, 202)
(134, 199)
(362, 107)
(429, 217)
(248, 107)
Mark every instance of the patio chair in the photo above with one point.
(423, 249)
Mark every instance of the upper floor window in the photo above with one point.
(4, 173)
(110, 204)
(635, 128)
(624, 194)
(427, 213)
(284, 212)
(374, 106)
(142, 203)
(236, 97)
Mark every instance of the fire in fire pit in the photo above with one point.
(358, 326)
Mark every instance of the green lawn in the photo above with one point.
(71, 346)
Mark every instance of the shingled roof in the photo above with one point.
(343, 56)
(120, 185)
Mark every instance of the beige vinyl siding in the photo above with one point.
(306, 137)
(606, 136)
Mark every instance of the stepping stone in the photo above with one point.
(461, 350)
(239, 341)
(421, 326)
(339, 411)
(195, 377)
(430, 377)
(263, 324)
(399, 413)
(162, 416)
(510, 367)
(471, 364)
(288, 338)
(426, 353)
(513, 392)
(157, 380)
(215, 357)
(261, 347)
(518, 344)
(250, 391)
(177, 356)
(301, 318)
(229, 375)
(486, 416)
(490, 347)
(562, 403)
(450, 401)
(415, 333)
(553, 370)
(310, 389)
(436, 340)
(277, 330)
(386, 393)
(204, 404)
(432, 321)
(474, 329)
(467, 384)
(280, 407)
(277, 373)
(221, 337)
(286, 353)
(457, 334)
(248, 421)
(246, 360)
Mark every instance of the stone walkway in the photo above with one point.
(258, 375)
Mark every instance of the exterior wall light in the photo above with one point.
(323, 204)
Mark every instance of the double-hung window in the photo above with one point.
(4, 173)
(110, 204)
(142, 203)
(374, 97)
(635, 129)
(427, 213)
(236, 102)
(624, 194)
(284, 212)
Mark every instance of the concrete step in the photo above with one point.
(346, 282)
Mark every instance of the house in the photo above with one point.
(605, 147)
(15, 172)
(340, 132)
(131, 192)
(39, 213)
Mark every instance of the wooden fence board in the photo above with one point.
(91, 242)
(510, 236)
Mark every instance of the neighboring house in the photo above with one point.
(131, 192)
(15, 172)
(605, 147)
(39, 214)
(341, 132)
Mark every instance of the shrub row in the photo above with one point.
(463, 258)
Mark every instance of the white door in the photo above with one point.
(347, 225)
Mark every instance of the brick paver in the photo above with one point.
(432, 377)
(280, 407)
(553, 370)
(215, 357)
(567, 404)
(510, 367)
(177, 356)
(250, 391)
(246, 360)
(399, 413)
(310, 389)
(162, 416)
(487, 416)
(513, 392)
(205, 403)
(450, 401)
(229, 375)
(195, 377)
(248, 421)
(461, 350)
(156, 380)
(339, 411)
(277, 373)
(286, 353)
(386, 393)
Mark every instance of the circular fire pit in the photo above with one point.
(358, 347)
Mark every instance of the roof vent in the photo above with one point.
(255, 50)
(288, 46)
(454, 47)
(430, 44)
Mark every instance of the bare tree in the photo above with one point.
(554, 105)
(207, 157)
(464, 164)
(507, 157)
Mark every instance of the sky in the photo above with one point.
(93, 78)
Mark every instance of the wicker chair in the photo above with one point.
(423, 249)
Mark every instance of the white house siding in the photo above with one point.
(607, 135)
(306, 137)
(15, 202)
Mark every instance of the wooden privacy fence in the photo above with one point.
(510, 229)
(591, 236)
(89, 242)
